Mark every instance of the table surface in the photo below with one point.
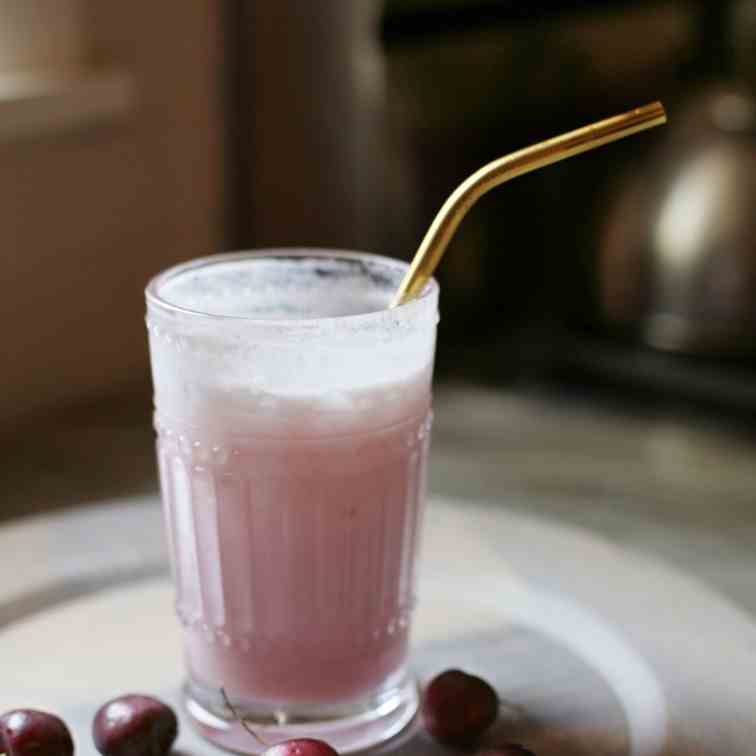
(662, 483)
(521, 471)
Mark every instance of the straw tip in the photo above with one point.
(657, 110)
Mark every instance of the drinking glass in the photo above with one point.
(292, 411)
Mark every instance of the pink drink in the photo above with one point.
(293, 420)
(293, 556)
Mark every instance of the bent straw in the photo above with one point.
(531, 158)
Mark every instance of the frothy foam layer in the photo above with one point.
(229, 409)
(249, 371)
(285, 288)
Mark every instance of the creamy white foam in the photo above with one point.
(275, 357)
(285, 288)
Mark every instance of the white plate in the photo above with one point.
(597, 651)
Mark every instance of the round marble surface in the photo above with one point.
(594, 649)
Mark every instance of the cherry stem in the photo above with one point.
(239, 719)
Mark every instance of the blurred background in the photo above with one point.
(605, 306)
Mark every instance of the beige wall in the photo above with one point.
(86, 217)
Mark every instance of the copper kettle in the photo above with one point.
(677, 262)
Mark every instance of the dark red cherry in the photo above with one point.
(134, 725)
(27, 732)
(458, 707)
(300, 747)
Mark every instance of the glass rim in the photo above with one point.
(154, 298)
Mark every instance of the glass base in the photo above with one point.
(347, 728)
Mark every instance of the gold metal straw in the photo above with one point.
(508, 167)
